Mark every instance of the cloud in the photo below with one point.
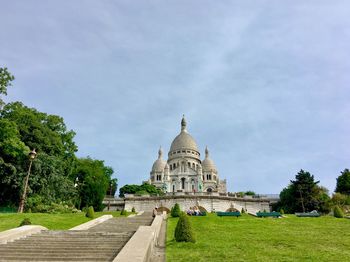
(264, 85)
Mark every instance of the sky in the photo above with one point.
(264, 84)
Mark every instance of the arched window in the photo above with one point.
(183, 183)
(189, 164)
(193, 166)
(209, 190)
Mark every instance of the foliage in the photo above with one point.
(123, 213)
(243, 211)
(282, 211)
(249, 193)
(90, 213)
(92, 181)
(37, 204)
(338, 212)
(303, 194)
(183, 230)
(253, 239)
(5, 81)
(343, 183)
(133, 210)
(112, 187)
(140, 190)
(54, 170)
(22, 128)
(175, 210)
(25, 222)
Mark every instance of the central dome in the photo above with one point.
(184, 140)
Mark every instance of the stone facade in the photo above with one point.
(184, 171)
(209, 203)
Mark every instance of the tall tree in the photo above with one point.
(343, 183)
(5, 81)
(23, 128)
(92, 180)
(303, 194)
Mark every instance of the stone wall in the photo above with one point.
(210, 203)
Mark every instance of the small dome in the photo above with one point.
(159, 164)
(208, 164)
(184, 140)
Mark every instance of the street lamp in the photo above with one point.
(32, 155)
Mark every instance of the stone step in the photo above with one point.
(100, 243)
(50, 257)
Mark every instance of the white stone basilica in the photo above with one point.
(184, 171)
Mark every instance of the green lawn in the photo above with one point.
(51, 221)
(262, 239)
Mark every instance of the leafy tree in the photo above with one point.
(112, 188)
(5, 81)
(249, 193)
(140, 190)
(22, 129)
(303, 194)
(343, 183)
(93, 179)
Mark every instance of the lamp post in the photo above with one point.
(32, 155)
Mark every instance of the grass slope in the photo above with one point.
(262, 239)
(50, 221)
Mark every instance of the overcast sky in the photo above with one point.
(265, 84)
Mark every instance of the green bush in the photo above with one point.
(123, 213)
(282, 211)
(243, 211)
(25, 222)
(183, 230)
(90, 212)
(133, 210)
(338, 212)
(175, 210)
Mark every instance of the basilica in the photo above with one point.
(184, 171)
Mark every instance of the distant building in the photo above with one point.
(184, 171)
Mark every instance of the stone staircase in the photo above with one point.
(100, 243)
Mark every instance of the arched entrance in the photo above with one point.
(209, 190)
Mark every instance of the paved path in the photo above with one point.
(159, 250)
(100, 243)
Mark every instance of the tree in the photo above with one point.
(93, 179)
(22, 129)
(140, 190)
(343, 183)
(303, 194)
(113, 185)
(5, 81)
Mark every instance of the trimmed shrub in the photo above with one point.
(243, 211)
(133, 210)
(183, 230)
(175, 211)
(123, 213)
(25, 222)
(338, 212)
(282, 211)
(90, 212)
